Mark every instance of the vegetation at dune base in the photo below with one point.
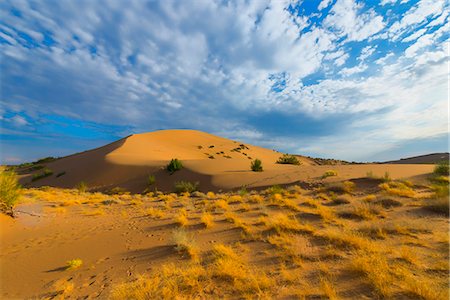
(185, 187)
(442, 168)
(42, 174)
(174, 165)
(329, 173)
(74, 264)
(81, 187)
(256, 165)
(9, 191)
(287, 159)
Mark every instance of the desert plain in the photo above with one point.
(117, 223)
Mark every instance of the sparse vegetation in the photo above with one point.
(186, 187)
(174, 165)
(207, 219)
(42, 174)
(256, 165)
(442, 169)
(329, 173)
(74, 264)
(288, 160)
(81, 187)
(9, 191)
(185, 243)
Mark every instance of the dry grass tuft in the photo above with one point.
(397, 188)
(181, 219)
(154, 213)
(207, 219)
(283, 223)
(185, 243)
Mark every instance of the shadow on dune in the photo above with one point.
(157, 252)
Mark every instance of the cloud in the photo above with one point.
(217, 66)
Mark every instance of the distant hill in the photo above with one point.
(433, 158)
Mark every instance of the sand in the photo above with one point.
(215, 162)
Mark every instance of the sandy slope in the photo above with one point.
(216, 163)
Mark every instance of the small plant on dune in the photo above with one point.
(44, 173)
(74, 264)
(329, 173)
(222, 204)
(207, 219)
(442, 168)
(181, 219)
(174, 165)
(151, 180)
(116, 191)
(186, 187)
(287, 159)
(256, 165)
(397, 188)
(386, 177)
(348, 186)
(81, 187)
(154, 213)
(9, 191)
(282, 223)
(185, 243)
(275, 189)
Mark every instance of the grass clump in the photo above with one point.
(287, 159)
(283, 223)
(256, 165)
(81, 187)
(442, 168)
(174, 165)
(329, 173)
(186, 187)
(181, 219)
(9, 191)
(154, 213)
(185, 243)
(207, 219)
(398, 188)
(74, 264)
(44, 173)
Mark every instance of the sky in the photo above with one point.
(345, 79)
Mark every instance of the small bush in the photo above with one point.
(207, 220)
(116, 191)
(442, 169)
(329, 173)
(185, 243)
(256, 165)
(186, 186)
(81, 187)
(174, 165)
(9, 191)
(74, 264)
(151, 180)
(44, 173)
(287, 159)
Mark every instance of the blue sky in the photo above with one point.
(355, 80)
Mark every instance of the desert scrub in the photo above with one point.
(44, 173)
(74, 264)
(81, 187)
(287, 159)
(181, 219)
(154, 213)
(283, 223)
(329, 173)
(185, 243)
(186, 186)
(207, 219)
(442, 168)
(9, 191)
(174, 165)
(397, 188)
(256, 165)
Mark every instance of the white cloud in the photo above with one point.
(324, 4)
(345, 17)
(366, 52)
(354, 70)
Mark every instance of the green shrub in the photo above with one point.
(185, 186)
(81, 187)
(151, 180)
(287, 159)
(9, 191)
(44, 173)
(329, 173)
(256, 165)
(174, 165)
(442, 168)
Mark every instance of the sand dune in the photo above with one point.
(215, 162)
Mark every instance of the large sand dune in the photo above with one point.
(215, 162)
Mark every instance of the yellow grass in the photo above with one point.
(207, 219)
(154, 213)
(185, 243)
(397, 188)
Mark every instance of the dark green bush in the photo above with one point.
(9, 191)
(256, 166)
(44, 173)
(442, 168)
(186, 186)
(287, 159)
(174, 165)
